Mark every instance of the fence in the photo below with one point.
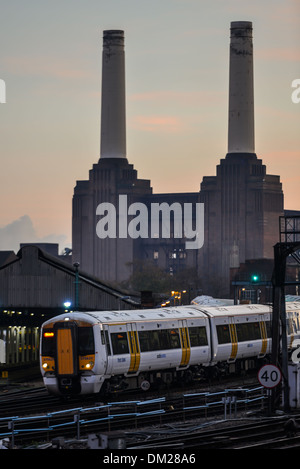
(199, 405)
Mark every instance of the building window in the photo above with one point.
(182, 254)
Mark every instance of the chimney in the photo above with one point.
(113, 113)
(241, 99)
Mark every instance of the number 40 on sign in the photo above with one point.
(269, 376)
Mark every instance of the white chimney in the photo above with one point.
(113, 109)
(241, 96)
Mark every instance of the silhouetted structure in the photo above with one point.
(242, 202)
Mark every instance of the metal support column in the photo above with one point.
(289, 232)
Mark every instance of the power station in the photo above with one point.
(242, 203)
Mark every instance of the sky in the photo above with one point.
(177, 70)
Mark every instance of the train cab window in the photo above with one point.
(223, 334)
(198, 336)
(48, 344)
(248, 331)
(119, 343)
(86, 345)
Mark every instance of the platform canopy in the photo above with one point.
(36, 284)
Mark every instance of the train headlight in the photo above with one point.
(89, 365)
(45, 365)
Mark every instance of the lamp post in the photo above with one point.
(76, 265)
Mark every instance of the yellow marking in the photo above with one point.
(263, 331)
(65, 363)
(186, 348)
(135, 355)
(233, 336)
(84, 360)
(50, 362)
(292, 333)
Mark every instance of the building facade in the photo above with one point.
(242, 202)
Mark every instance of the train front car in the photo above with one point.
(68, 358)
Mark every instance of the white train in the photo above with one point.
(88, 352)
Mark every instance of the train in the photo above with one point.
(110, 351)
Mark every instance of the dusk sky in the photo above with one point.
(177, 68)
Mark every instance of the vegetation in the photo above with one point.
(148, 276)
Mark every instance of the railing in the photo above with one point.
(199, 405)
(289, 229)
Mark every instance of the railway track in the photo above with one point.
(32, 400)
(259, 434)
(27, 402)
(55, 418)
(216, 431)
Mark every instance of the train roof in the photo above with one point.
(179, 312)
(132, 315)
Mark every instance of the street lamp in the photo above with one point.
(76, 265)
(67, 305)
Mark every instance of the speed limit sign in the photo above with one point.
(269, 376)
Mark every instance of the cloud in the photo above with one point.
(44, 66)
(279, 53)
(169, 124)
(22, 231)
(181, 97)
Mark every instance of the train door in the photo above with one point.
(264, 336)
(134, 348)
(108, 364)
(185, 343)
(66, 356)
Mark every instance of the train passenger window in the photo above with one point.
(248, 331)
(223, 334)
(48, 345)
(163, 339)
(149, 340)
(105, 341)
(86, 345)
(198, 336)
(290, 326)
(269, 328)
(119, 343)
(295, 325)
(173, 340)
